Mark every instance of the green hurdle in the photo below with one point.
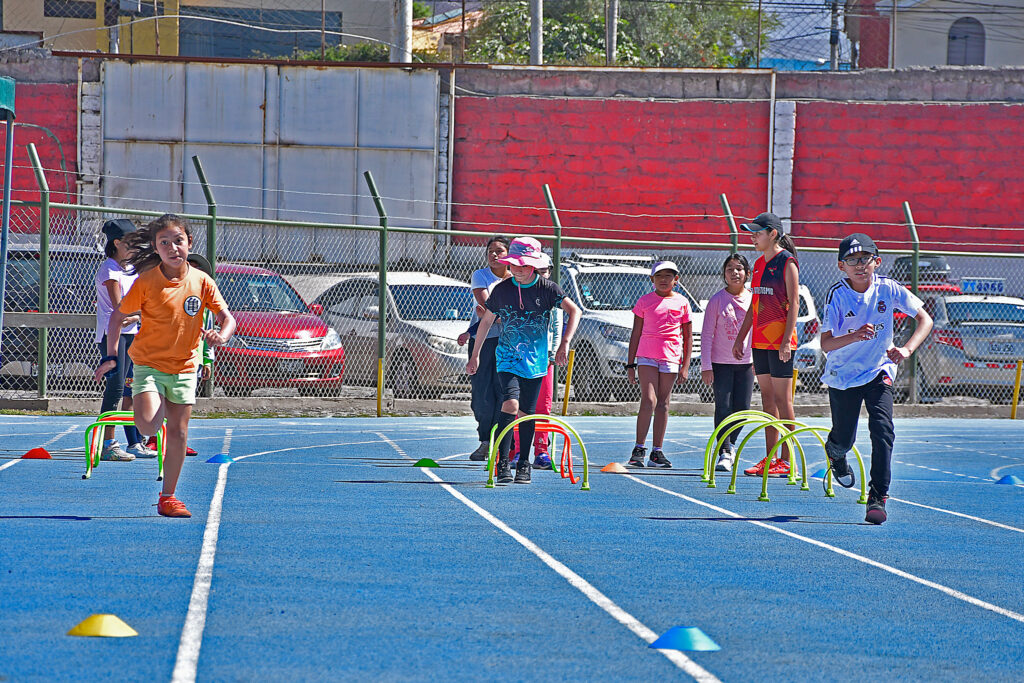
(492, 453)
(94, 442)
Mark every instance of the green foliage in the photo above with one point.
(359, 52)
(698, 33)
(421, 10)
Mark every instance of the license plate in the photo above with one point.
(291, 366)
(52, 370)
(1000, 347)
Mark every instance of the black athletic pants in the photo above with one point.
(485, 396)
(733, 385)
(876, 396)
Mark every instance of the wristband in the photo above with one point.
(631, 366)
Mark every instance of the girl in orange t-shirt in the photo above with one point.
(171, 296)
(775, 284)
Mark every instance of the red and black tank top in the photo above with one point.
(770, 302)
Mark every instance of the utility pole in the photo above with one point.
(156, 26)
(758, 64)
(110, 16)
(536, 32)
(611, 30)
(892, 35)
(323, 30)
(401, 50)
(833, 38)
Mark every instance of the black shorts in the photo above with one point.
(767, 362)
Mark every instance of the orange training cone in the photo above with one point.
(37, 454)
(614, 467)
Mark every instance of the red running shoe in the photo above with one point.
(778, 468)
(151, 444)
(169, 506)
(757, 470)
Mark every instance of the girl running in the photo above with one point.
(171, 296)
(659, 349)
(772, 317)
(731, 378)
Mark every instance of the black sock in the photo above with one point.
(504, 420)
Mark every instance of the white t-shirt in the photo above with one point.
(847, 310)
(111, 270)
(484, 279)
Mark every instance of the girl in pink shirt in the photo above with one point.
(732, 378)
(659, 351)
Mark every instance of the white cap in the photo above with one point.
(545, 261)
(664, 265)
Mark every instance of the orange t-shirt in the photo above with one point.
(172, 320)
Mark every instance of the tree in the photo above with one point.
(695, 33)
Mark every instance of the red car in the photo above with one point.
(279, 340)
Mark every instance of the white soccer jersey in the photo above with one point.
(847, 310)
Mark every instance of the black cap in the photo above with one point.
(855, 243)
(200, 262)
(118, 228)
(764, 221)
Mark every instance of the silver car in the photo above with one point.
(426, 314)
(973, 348)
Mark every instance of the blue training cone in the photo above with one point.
(1011, 479)
(820, 474)
(687, 638)
(220, 457)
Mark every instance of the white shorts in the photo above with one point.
(662, 365)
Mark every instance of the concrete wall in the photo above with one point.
(922, 34)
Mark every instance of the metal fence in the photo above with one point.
(313, 320)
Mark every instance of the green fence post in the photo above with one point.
(734, 235)
(7, 112)
(382, 299)
(913, 394)
(44, 266)
(211, 241)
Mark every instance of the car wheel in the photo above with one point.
(402, 377)
(587, 380)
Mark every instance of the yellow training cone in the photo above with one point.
(615, 467)
(103, 625)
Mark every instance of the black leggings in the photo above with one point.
(485, 396)
(118, 385)
(733, 385)
(525, 390)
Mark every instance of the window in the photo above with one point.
(966, 44)
(70, 9)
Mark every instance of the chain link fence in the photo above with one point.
(310, 311)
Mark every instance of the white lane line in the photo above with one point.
(226, 447)
(61, 435)
(12, 463)
(575, 580)
(994, 474)
(187, 662)
(960, 514)
(845, 553)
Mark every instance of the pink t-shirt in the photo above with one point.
(664, 316)
(723, 317)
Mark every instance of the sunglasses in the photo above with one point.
(859, 260)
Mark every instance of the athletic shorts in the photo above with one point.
(662, 365)
(180, 389)
(767, 362)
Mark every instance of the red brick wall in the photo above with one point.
(957, 165)
(53, 107)
(623, 156)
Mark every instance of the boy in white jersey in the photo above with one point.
(861, 363)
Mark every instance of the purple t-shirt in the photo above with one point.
(664, 316)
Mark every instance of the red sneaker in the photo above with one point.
(778, 468)
(169, 506)
(757, 470)
(151, 445)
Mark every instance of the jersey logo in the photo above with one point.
(851, 314)
(887, 381)
(192, 306)
(881, 307)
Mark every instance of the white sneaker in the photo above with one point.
(138, 450)
(114, 453)
(724, 462)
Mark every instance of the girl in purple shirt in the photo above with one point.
(659, 351)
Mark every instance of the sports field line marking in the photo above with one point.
(952, 592)
(959, 514)
(187, 661)
(61, 435)
(575, 580)
(12, 463)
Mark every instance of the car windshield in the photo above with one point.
(258, 292)
(984, 311)
(71, 282)
(618, 291)
(433, 302)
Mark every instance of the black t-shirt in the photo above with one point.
(525, 312)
